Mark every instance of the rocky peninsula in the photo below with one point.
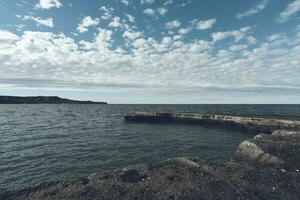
(264, 167)
(42, 100)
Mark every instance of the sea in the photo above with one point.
(45, 143)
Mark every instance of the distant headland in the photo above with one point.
(42, 100)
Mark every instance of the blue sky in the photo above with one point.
(152, 51)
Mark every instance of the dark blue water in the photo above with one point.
(41, 143)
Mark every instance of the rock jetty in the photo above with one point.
(264, 167)
(254, 124)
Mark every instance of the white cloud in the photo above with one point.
(275, 37)
(184, 31)
(86, 23)
(197, 24)
(20, 27)
(204, 24)
(168, 2)
(43, 22)
(238, 47)
(236, 34)
(130, 18)
(147, 1)
(115, 23)
(6, 36)
(125, 2)
(132, 35)
(107, 12)
(166, 40)
(254, 10)
(162, 10)
(140, 43)
(48, 4)
(149, 11)
(251, 40)
(173, 24)
(185, 3)
(103, 40)
(290, 10)
(48, 60)
(177, 37)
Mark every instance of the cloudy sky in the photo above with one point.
(152, 51)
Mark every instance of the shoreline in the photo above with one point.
(264, 167)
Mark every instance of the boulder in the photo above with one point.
(279, 148)
(248, 151)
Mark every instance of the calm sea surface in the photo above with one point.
(42, 143)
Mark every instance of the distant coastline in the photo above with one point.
(42, 100)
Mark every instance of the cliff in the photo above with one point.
(42, 100)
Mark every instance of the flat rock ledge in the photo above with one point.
(255, 124)
(265, 167)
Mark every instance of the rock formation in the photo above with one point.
(279, 148)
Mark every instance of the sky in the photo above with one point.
(152, 51)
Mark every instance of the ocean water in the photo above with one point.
(42, 143)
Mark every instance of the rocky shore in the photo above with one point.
(264, 167)
(255, 124)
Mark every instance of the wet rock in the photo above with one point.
(280, 148)
(286, 133)
(248, 151)
(132, 176)
(268, 159)
(186, 162)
